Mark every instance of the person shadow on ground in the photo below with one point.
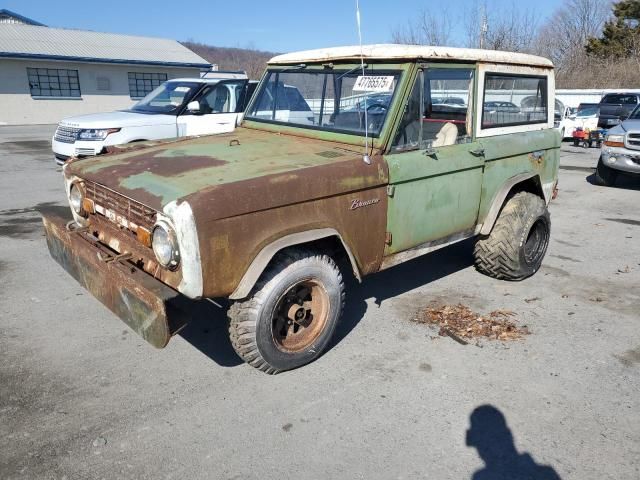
(493, 439)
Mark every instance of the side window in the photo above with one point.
(220, 98)
(409, 131)
(511, 100)
(437, 112)
(447, 106)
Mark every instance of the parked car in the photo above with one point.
(275, 215)
(180, 107)
(585, 120)
(562, 119)
(451, 101)
(616, 107)
(508, 107)
(620, 154)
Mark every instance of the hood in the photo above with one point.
(627, 125)
(234, 173)
(121, 119)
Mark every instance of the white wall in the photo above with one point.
(574, 97)
(17, 107)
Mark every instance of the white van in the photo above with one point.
(180, 107)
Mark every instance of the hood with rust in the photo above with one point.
(235, 173)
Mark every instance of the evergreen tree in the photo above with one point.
(620, 35)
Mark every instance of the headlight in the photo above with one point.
(165, 245)
(96, 133)
(75, 199)
(614, 140)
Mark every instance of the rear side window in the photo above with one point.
(511, 100)
(621, 99)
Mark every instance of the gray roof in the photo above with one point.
(27, 41)
(9, 15)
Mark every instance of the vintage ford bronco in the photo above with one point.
(348, 161)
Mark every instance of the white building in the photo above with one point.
(47, 74)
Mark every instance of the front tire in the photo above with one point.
(516, 246)
(291, 314)
(604, 175)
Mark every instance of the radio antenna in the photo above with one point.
(365, 157)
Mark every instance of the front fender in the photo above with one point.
(263, 258)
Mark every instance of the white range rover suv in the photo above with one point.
(180, 107)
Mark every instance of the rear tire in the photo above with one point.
(291, 314)
(516, 246)
(604, 175)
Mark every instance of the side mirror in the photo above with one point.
(194, 107)
(572, 116)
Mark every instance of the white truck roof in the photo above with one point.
(410, 52)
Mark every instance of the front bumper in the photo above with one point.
(77, 149)
(622, 159)
(153, 310)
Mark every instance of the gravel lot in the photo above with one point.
(82, 397)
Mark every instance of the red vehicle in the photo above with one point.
(586, 137)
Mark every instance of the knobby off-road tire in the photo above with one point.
(518, 242)
(604, 175)
(291, 314)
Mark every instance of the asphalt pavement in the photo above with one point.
(82, 397)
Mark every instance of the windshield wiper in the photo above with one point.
(293, 67)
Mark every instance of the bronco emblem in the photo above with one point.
(363, 203)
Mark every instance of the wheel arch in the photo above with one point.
(264, 257)
(524, 182)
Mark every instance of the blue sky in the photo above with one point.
(279, 25)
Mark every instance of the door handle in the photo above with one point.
(478, 152)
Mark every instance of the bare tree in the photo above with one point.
(428, 29)
(563, 37)
(250, 60)
(498, 28)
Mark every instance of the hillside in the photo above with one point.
(252, 61)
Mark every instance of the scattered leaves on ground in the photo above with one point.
(461, 323)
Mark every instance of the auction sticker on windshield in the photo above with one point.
(365, 83)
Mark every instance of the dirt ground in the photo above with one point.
(82, 397)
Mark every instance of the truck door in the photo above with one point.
(435, 163)
(220, 106)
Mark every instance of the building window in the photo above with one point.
(142, 83)
(514, 100)
(53, 82)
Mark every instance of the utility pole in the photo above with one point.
(484, 25)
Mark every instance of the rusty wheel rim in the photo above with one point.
(300, 316)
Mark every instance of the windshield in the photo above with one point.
(168, 98)
(635, 114)
(588, 112)
(333, 100)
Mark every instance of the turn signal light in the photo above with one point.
(88, 206)
(144, 236)
(613, 144)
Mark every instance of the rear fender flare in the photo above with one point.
(263, 258)
(501, 195)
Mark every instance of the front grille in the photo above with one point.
(633, 141)
(66, 134)
(134, 212)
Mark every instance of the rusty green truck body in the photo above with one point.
(237, 199)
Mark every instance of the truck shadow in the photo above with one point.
(401, 279)
(626, 182)
(207, 330)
